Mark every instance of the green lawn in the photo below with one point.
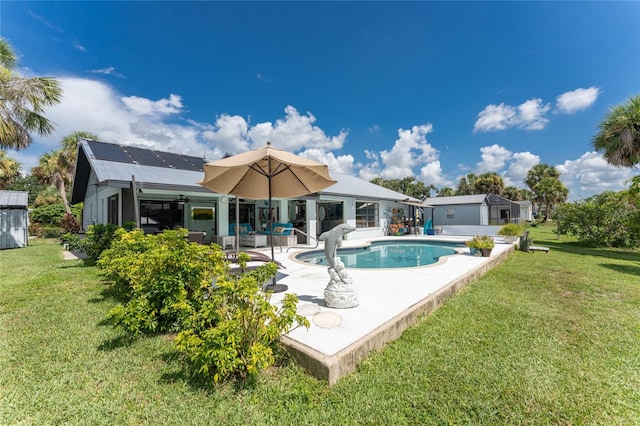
(541, 339)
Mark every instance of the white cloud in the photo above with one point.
(144, 106)
(591, 174)
(79, 47)
(513, 167)
(340, 164)
(228, 135)
(411, 149)
(107, 71)
(495, 117)
(93, 106)
(431, 174)
(295, 132)
(375, 129)
(529, 115)
(576, 100)
(521, 163)
(493, 157)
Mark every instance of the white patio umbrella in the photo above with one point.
(264, 173)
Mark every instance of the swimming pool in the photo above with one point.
(386, 254)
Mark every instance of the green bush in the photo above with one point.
(48, 215)
(510, 230)
(164, 277)
(99, 238)
(35, 229)
(609, 219)
(236, 330)
(227, 326)
(72, 242)
(51, 232)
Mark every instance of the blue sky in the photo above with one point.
(434, 90)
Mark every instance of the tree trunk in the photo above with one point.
(63, 194)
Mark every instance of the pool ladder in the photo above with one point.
(297, 245)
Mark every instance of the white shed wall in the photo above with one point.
(14, 228)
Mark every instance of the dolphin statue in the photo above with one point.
(332, 240)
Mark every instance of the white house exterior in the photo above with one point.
(158, 190)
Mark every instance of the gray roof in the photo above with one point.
(119, 174)
(455, 200)
(478, 199)
(352, 186)
(14, 199)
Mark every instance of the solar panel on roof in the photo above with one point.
(182, 162)
(145, 157)
(109, 152)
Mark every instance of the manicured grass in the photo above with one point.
(542, 339)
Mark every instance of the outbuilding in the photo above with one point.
(479, 209)
(14, 219)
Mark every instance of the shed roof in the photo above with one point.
(115, 167)
(455, 200)
(14, 199)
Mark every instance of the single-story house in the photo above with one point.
(480, 209)
(14, 219)
(158, 190)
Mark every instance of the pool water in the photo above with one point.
(385, 254)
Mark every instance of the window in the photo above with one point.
(158, 215)
(450, 213)
(367, 214)
(112, 210)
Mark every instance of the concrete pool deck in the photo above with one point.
(391, 300)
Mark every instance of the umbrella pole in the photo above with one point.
(273, 287)
(237, 233)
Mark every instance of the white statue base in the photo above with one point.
(340, 293)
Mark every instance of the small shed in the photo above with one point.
(14, 219)
(478, 209)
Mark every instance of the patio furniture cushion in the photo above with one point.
(280, 229)
(245, 229)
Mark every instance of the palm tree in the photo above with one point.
(516, 194)
(22, 102)
(9, 169)
(466, 186)
(535, 175)
(488, 183)
(619, 135)
(70, 149)
(52, 170)
(551, 192)
(446, 192)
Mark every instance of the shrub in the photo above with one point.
(164, 277)
(226, 326)
(510, 230)
(608, 219)
(35, 229)
(70, 224)
(99, 238)
(51, 232)
(236, 330)
(72, 242)
(48, 215)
